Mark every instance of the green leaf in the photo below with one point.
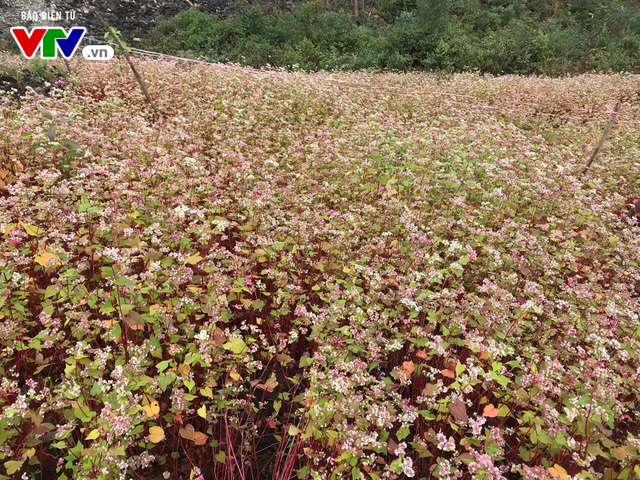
(120, 451)
(258, 304)
(236, 345)
(84, 414)
(305, 361)
(95, 389)
(221, 457)
(31, 230)
(395, 466)
(303, 472)
(189, 384)
(108, 272)
(193, 259)
(154, 342)
(501, 379)
(162, 365)
(84, 206)
(126, 308)
(165, 380)
(51, 133)
(12, 466)
(107, 307)
(117, 330)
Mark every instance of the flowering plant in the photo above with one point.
(319, 276)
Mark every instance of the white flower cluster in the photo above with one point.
(220, 224)
(455, 245)
(530, 305)
(181, 211)
(203, 336)
(411, 304)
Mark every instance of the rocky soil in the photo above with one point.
(131, 17)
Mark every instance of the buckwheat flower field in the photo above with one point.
(319, 276)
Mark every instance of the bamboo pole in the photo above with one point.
(610, 123)
(133, 69)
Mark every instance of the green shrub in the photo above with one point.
(494, 36)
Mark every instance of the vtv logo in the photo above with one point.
(52, 39)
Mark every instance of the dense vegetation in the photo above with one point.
(318, 276)
(495, 36)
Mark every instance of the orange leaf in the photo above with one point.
(408, 366)
(200, 438)
(428, 389)
(490, 411)
(448, 373)
(269, 385)
(271, 423)
(421, 353)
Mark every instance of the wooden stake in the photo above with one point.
(610, 123)
(66, 62)
(133, 69)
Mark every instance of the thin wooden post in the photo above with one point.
(66, 62)
(610, 123)
(133, 69)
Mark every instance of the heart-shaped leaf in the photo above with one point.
(200, 438)
(187, 432)
(156, 434)
(558, 472)
(490, 411)
(236, 345)
(150, 406)
(459, 411)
